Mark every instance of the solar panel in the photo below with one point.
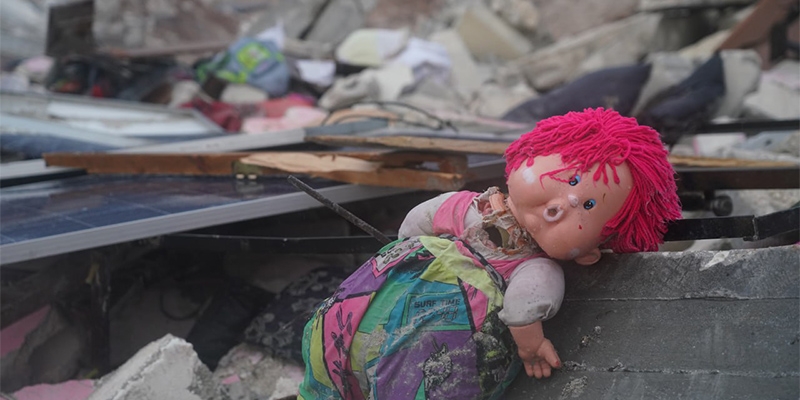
(48, 218)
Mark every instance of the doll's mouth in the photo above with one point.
(552, 213)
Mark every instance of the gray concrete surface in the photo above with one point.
(164, 369)
(686, 325)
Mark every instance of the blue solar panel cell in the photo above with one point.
(93, 210)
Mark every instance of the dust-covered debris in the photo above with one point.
(574, 388)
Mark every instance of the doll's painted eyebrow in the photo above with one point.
(576, 179)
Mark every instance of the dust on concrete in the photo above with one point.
(574, 388)
(593, 336)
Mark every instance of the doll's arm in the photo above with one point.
(534, 294)
(535, 291)
(537, 352)
(419, 221)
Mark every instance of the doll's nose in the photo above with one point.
(573, 200)
(553, 212)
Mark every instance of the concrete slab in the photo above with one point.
(487, 36)
(165, 369)
(677, 325)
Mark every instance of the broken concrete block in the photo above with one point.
(350, 90)
(487, 36)
(247, 372)
(371, 47)
(384, 84)
(422, 17)
(778, 95)
(493, 100)
(620, 43)
(742, 73)
(564, 18)
(738, 334)
(521, 14)
(165, 369)
(338, 19)
(392, 80)
(464, 74)
(135, 24)
(296, 15)
(434, 95)
(661, 5)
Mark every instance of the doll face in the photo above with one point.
(565, 217)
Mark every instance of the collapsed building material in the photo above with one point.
(416, 143)
(368, 168)
(661, 5)
(487, 36)
(167, 368)
(616, 329)
(618, 43)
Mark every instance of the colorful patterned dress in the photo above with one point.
(419, 320)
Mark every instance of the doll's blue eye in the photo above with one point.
(589, 204)
(575, 180)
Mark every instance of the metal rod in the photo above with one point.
(751, 126)
(339, 210)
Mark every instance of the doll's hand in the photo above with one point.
(537, 353)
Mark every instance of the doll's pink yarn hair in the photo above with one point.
(598, 136)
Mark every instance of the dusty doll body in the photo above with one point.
(454, 309)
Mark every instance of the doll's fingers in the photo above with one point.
(550, 355)
(528, 368)
(545, 368)
(537, 370)
(552, 359)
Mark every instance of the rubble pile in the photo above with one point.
(478, 58)
(157, 70)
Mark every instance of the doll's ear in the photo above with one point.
(589, 258)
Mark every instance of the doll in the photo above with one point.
(454, 308)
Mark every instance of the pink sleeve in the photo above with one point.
(449, 218)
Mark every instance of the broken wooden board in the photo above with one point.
(147, 164)
(463, 146)
(691, 161)
(379, 168)
(345, 167)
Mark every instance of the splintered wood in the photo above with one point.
(379, 168)
(462, 146)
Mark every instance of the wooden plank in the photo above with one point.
(498, 148)
(156, 164)
(691, 161)
(391, 177)
(389, 168)
(221, 163)
(463, 146)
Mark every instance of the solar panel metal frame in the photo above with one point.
(204, 217)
